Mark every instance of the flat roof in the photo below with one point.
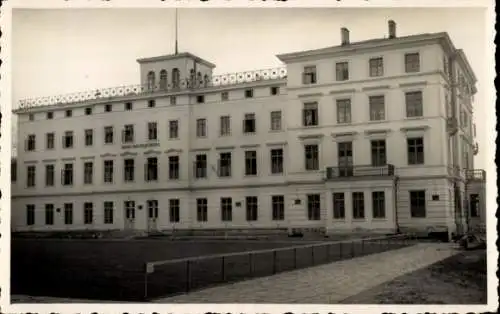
(177, 56)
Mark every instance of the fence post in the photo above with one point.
(295, 258)
(274, 261)
(250, 262)
(223, 270)
(188, 276)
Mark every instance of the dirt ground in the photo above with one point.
(460, 279)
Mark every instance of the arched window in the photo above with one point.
(163, 79)
(176, 78)
(151, 80)
(191, 78)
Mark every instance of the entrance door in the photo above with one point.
(152, 215)
(129, 215)
(458, 210)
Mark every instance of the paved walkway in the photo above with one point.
(330, 283)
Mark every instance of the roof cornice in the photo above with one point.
(176, 56)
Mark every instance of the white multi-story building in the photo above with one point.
(374, 135)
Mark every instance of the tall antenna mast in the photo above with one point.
(176, 31)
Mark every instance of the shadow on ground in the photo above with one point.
(460, 279)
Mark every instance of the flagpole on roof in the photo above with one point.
(176, 32)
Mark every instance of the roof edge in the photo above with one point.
(176, 56)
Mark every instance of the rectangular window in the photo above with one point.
(342, 71)
(201, 127)
(31, 143)
(310, 114)
(49, 175)
(313, 207)
(68, 139)
(252, 208)
(173, 167)
(151, 169)
(474, 205)
(201, 210)
(378, 199)
(414, 105)
(108, 171)
(108, 108)
(417, 204)
(88, 213)
(31, 117)
(128, 106)
(249, 93)
(13, 171)
(358, 205)
(50, 115)
(128, 133)
(378, 149)
(251, 163)
(200, 166)
(415, 151)
(152, 206)
(224, 96)
(224, 164)
(152, 131)
(68, 213)
(88, 172)
(129, 170)
(49, 214)
(225, 126)
(377, 108)
(108, 213)
(275, 90)
(173, 100)
(276, 120)
(226, 204)
(309, 75)
(89, 137)
(412, 62)
(278, 206)
(311, 157)
(31, 176)
(108, 135)
(68, 113)
(49, 140)
(376, 67)
(174, 211)
(151, 103)
(344, 111)
(338, 205)
(345, 159)
(88, 111)
(173, 129)
(249, 123)
(67, 174)
(200, 99)
(30, 215)
(276, 160)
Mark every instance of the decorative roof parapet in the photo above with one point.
(191, 84)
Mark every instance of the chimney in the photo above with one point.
(344, 32)
(392, 29)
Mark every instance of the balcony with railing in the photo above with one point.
(190, 84)
(475, 175)
(339, 173)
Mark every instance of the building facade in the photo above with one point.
(369, 136)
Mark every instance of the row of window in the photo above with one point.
(414, 108)
(415, 152)
(375, 65)
(314, 206)
(129, 106)
(128, 134)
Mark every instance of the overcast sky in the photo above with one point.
(65, 51)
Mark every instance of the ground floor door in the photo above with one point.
(129, 209)
(152, 215)
(458, 210)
